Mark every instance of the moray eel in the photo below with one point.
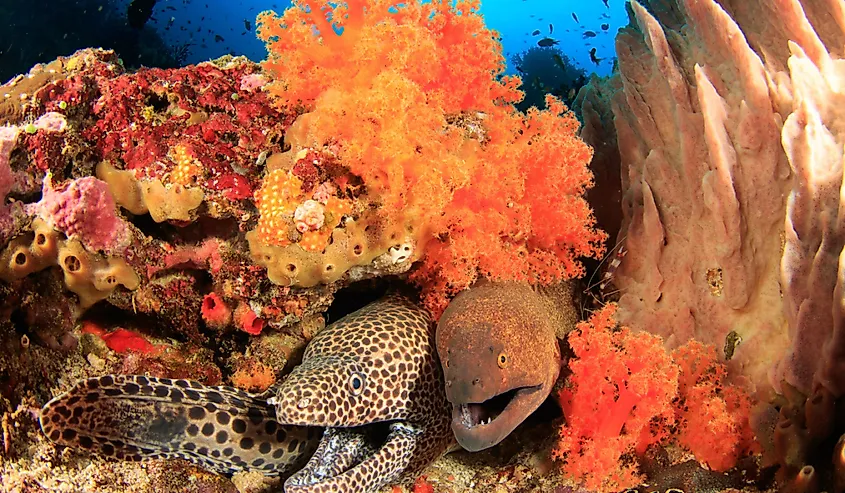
(376, 365)
(498, 343)
(132, 417)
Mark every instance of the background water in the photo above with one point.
(191, 31)
(514, 19)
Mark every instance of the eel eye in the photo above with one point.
(502, 360)
(356, 383)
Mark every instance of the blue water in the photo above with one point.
(198, 22)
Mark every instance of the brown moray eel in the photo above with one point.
(133, 417)
(376, 365)
(500, 354)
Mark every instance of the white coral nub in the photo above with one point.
(309, 216)
(400, 253)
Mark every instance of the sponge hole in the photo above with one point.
(72, 263)
(21, 259)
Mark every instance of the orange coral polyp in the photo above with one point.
(276, 201)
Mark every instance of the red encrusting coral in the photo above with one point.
(422, 485)
(215, 311)
(411, 99)
(625, 393)
(123, 341)
(141, 117)
(247, 320)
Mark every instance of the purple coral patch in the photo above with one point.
(84, 209)
(8, 138)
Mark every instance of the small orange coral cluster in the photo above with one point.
(411, 98)
(626, 393)
(283, 206)
(187, 169)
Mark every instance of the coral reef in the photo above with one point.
(194, 223)
(146, 185)
(447, 165)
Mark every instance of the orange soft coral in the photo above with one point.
(384, 84)
(712, 415)
(617, 402)
(625, 393)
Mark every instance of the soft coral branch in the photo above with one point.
(625, 393)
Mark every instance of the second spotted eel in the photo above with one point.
(133, 417)
(376, 367)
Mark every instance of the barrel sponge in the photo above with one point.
(30, 252)
(171, 201)
(357, 243)
(162, 202)
(91, 276)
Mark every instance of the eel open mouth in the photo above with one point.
(339, 452)
(480, 425)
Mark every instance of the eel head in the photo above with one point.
(500, 358)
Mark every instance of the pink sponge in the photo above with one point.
(8, 137)
(84, 209)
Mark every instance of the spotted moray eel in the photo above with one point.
(498, 343)
(133, 417)
(376, 365)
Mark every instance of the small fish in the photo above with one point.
(247, 25)
(594, 58)
(170, 7)
(551, 28)
(218, 38)
(589, 34)
(605, 27)
(575, 17)
(571, 94)
(605, 2)
(535, 32)
(547, 42)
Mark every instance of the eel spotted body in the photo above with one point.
(498, 343)
(376, 365)
(133, 417)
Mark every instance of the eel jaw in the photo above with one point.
(341, 450)
(481, 425)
